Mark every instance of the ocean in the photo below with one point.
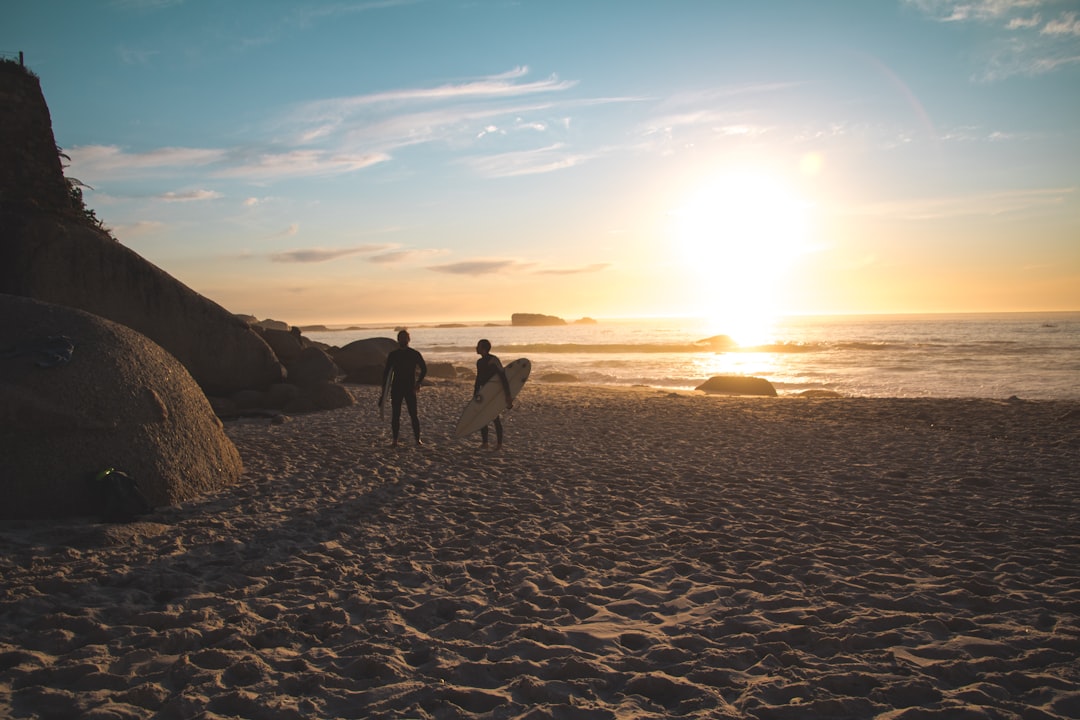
(1032, 356)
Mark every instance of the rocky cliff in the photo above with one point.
(50, 250)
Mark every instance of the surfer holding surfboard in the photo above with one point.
(489, 366)
(405, 370)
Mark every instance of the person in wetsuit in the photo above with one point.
(409, 370)
(487, 367)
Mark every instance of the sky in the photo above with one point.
(337, 162)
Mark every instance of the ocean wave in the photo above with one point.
(701, 346)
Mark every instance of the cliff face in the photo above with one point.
(50, 252)
(30, 170)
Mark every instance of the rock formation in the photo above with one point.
(79, 394)
(534, 319)
(363, 361)
(737, 385)
(50, 251)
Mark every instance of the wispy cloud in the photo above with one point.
(131, 56)
(502, 85)
(144, 4)
(319, 255)
(298, 163)
(189, 196)
(1068, 24)
(141, 227)
(989, 204)
(348, 134)
(1035, 38)
(527, 162)
(109, 161)
(401, 256)
(402, 117)
(478, 267)
(594, 268)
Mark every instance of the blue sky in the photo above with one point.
(403, 161)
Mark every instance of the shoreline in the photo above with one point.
(630, 551)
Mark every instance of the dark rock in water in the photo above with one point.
(117, 401)
(718, 342)
(362, 354)
(558, 378)
(534, 319)
(53, 251)
(737, 385)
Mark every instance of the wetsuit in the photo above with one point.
(487, 367)
(409, 370)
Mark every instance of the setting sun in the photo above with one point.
(739, 234)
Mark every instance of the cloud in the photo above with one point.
(109, 161)
(131, 56)
(965, 10)
(347, 134)
(144, 4)
(478, 267)
(989, 204)
(299, 163)
(318, 255)
(1067, 24)
(141, 227)
(527, 162)
(457, 113)
(1025, 45)
(189, 196)
(595, 267)
(103, 162)
(400, 256)
(492, 86)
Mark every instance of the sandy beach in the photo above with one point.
(629, 553)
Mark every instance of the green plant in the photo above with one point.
(78, 201)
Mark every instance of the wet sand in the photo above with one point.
(628, 554)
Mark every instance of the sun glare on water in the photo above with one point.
(739, 236)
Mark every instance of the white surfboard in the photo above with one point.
(385, 397)
(491, 400)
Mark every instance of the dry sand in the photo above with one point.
(628, 554)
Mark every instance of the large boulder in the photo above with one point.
(360, 355)
(79, 394)
(50, 250)
(61, 262)
(737, 385)
(312, 367)
(286, 345)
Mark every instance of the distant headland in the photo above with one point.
(536, 319)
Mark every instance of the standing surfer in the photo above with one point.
(407, 369)
(487, 367)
